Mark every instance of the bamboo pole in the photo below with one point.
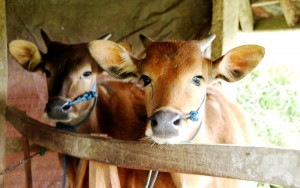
(3, 86)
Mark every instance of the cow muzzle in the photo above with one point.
(57, 109)
(165, 124)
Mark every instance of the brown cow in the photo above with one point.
(71, 72)
(183, 103)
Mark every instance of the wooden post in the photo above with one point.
(28, 174)
(3, 86)
(289, 12)
(80, 173)
(246, 16)
(225, 24)
(103, 175)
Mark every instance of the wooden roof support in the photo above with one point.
(271, 165)
(225, 24)
(3, 86)
(246, 16)
(289, 11)
(264, 3)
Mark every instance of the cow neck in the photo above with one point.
(84, 97)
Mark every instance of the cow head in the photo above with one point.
(70, 71)
(175, 75)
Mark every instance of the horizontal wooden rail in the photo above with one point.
(271, 165)
(15, 144)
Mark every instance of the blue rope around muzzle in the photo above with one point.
(84, 97)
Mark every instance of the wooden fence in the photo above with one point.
(270, 165)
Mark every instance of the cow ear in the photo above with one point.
(146, 41)
(238, 62)
(26, 53)
(46, 39)
(114, 59)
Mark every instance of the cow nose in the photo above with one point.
(57, 104)
(66, 107)
(165, 118)
(164, 124)
(56, 108)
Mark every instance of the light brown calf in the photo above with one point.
(71, 72)
(183, 103)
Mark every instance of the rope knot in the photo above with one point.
(194, 116)
(90, 95)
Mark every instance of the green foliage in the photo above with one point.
(272, 97)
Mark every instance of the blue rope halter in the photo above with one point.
(84, 97)
(194, 116)
(71, 128)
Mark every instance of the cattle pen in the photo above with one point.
(272, 165)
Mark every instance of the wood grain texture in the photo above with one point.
(246, 16)
(289, 11)
(271, 165)
(3, 86)
(225, 25)
(15, 144)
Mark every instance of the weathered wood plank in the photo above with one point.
(246, 16)
(225, 24)
(271, 165)
(289, 11)
(15, 144)
(3, 86)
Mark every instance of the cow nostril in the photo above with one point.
(177, 122)
(66, 108)
(153, 122)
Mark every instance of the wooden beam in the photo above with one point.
(270, 165)
(225, 24)
(3, 86)
(289, 11)
(15, 144)
(246, 16)
(28, 174)
(262, 3)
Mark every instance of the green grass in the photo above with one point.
(272, 97)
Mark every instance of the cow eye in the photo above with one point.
(146, 80)
(87, 74)
(197, 80)
(47, 73)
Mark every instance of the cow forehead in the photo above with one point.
(63, 58)
(174, 58)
